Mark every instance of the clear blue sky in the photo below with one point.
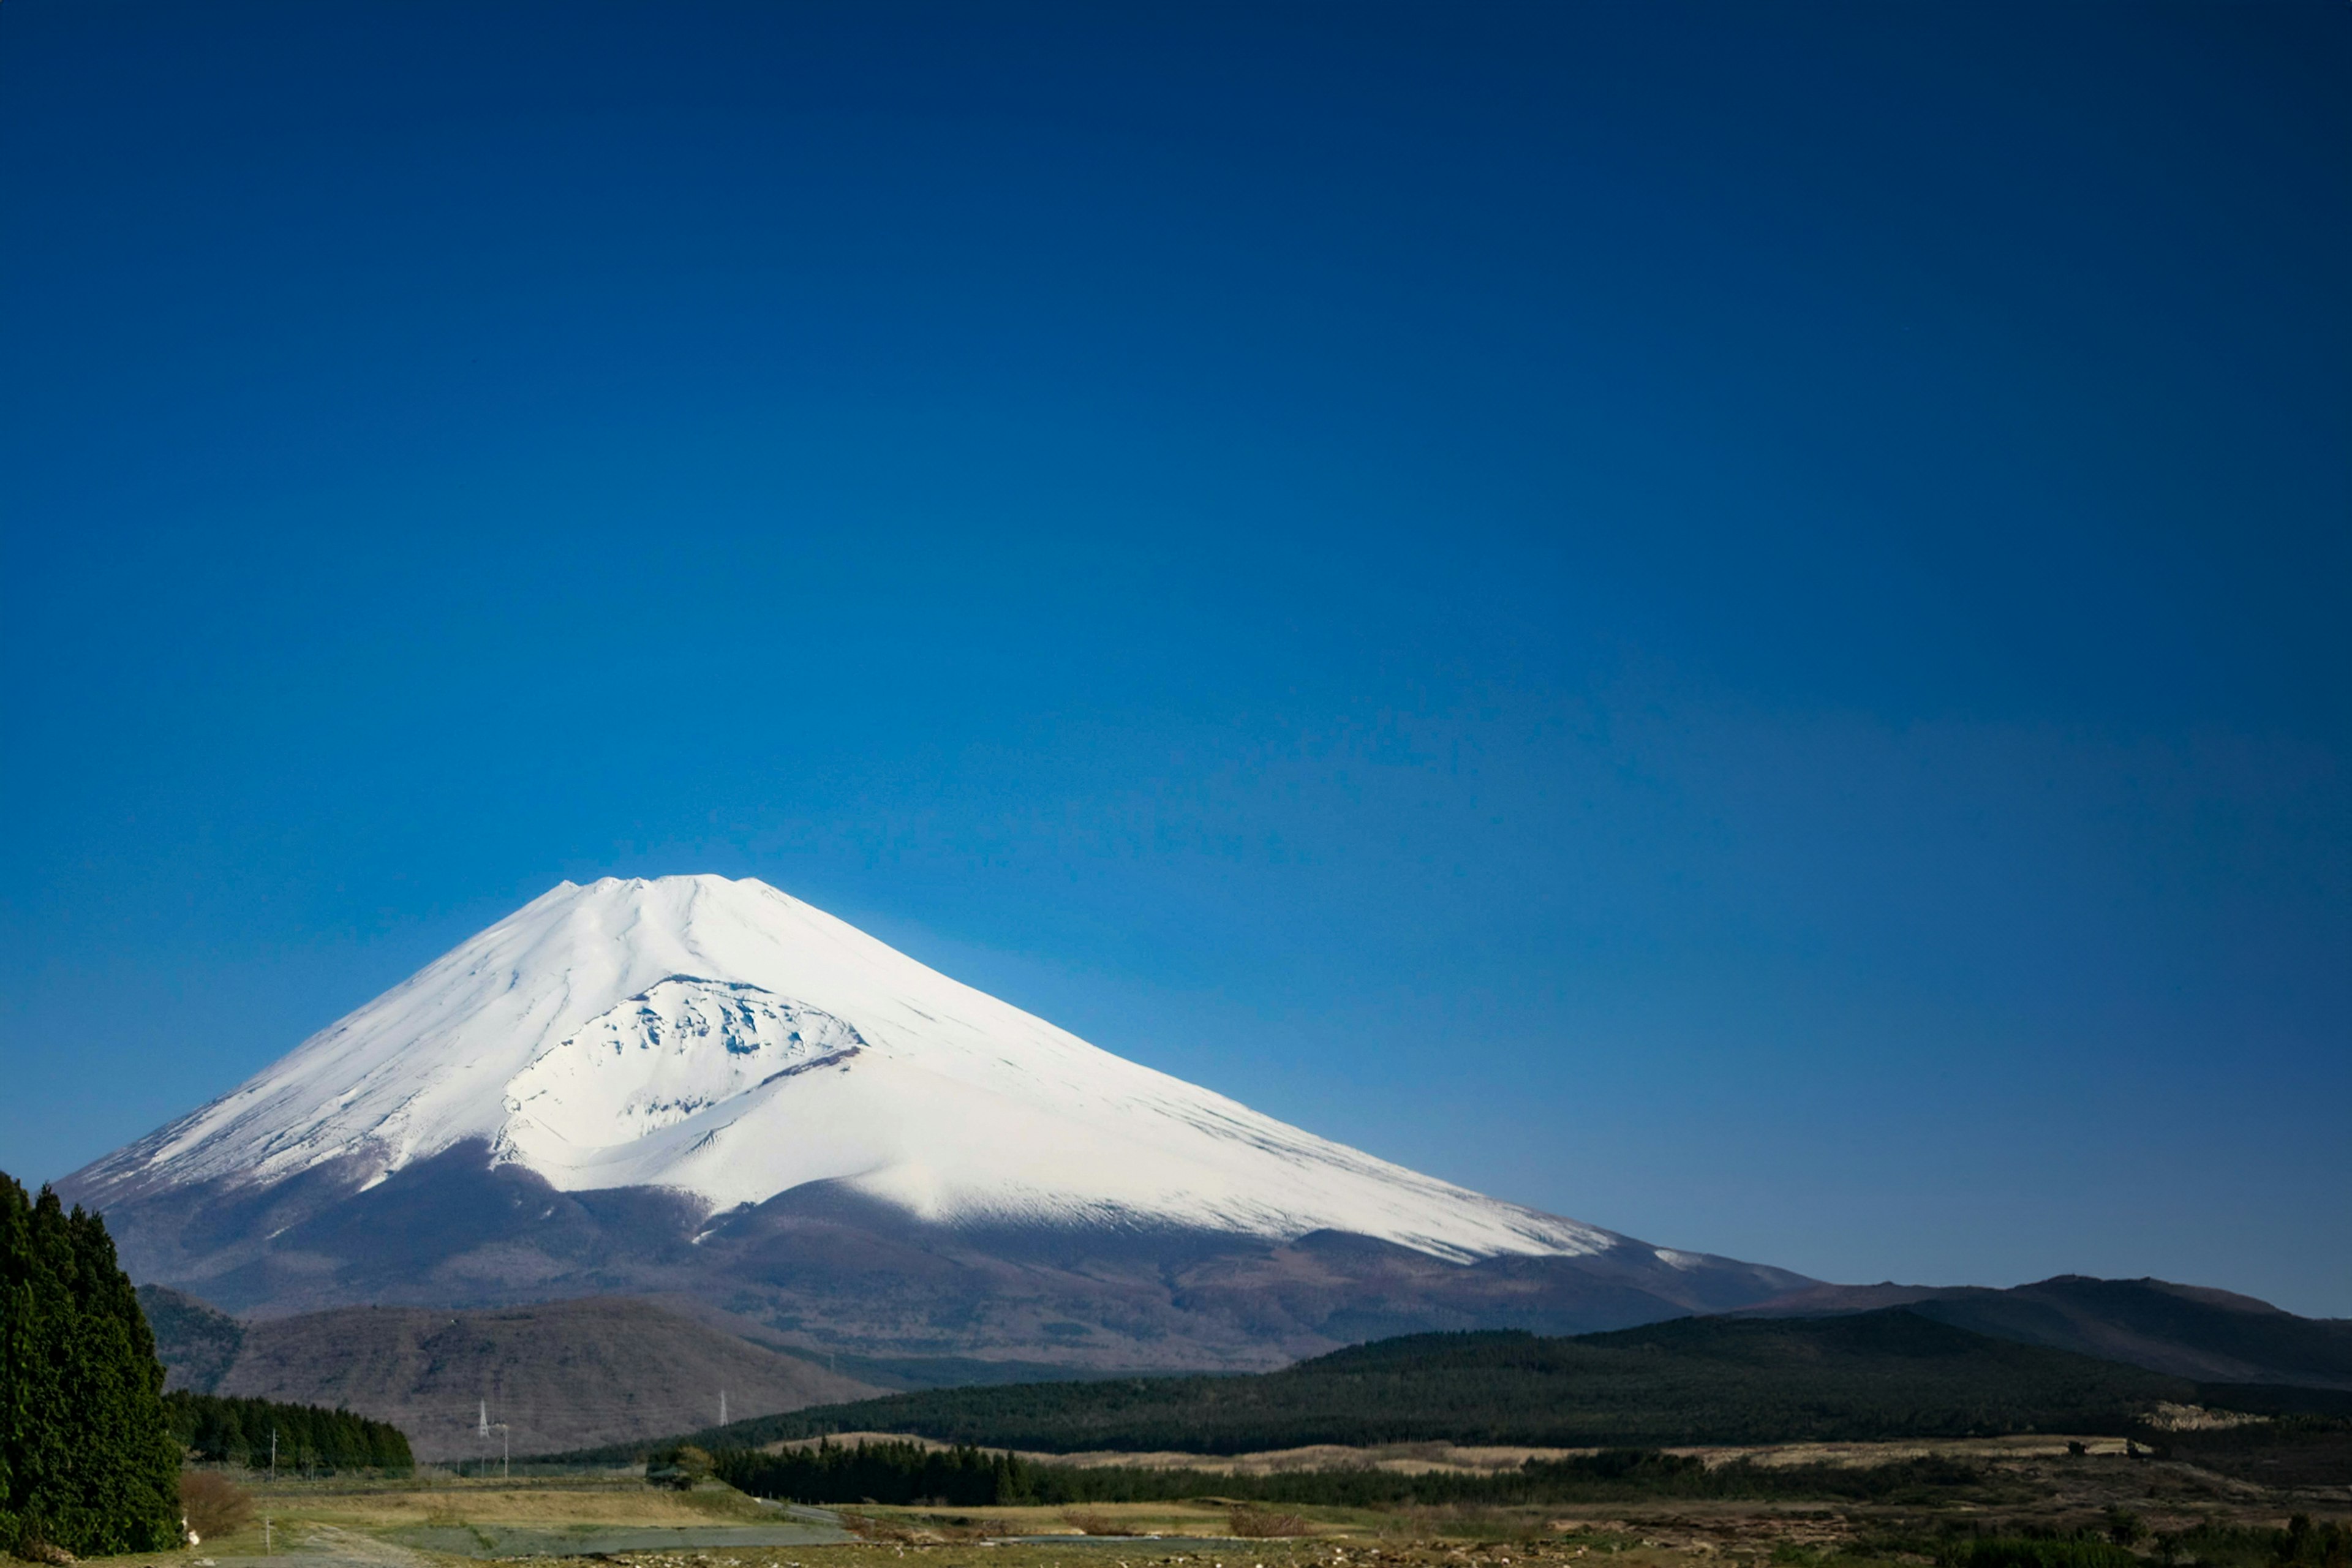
(1728, 620)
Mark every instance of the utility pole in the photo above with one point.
(273, 1460)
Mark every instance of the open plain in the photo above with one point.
(2018, 1487)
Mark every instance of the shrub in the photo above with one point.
(681, 1467)
(1258, 1523)
(1092, 1523)
(2039, 1552)
(212, 1504)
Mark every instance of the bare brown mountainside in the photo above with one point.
(562, 1374)
(2188, 1330)
(828, 1269)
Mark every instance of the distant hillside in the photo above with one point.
(600, 1370)
(1876, 1375)
(2213, 1336)
(195, 1340)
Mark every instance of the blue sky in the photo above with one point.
(1726, 621)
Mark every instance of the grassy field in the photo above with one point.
(2029, 1487)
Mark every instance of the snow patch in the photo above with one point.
(726, 1040)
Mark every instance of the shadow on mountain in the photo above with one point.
(2213, 1336)
(1885, 1375)
(826, 1269)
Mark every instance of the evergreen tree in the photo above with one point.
(87, 1461)
(224, 1429)
(16, 1357)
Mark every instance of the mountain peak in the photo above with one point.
(722, 1039)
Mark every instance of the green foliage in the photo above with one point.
(1872, 1376)
(681, 1467)
(2292, 1451)
(2302, 1544)
(232, 1431)
(2037, 1552)
(881, 1473)
(87, 1463)
(1610, 1475)
(195, 1343)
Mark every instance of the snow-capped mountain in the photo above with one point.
(729, 1060)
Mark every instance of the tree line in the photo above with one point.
(88, 1463)
(883, 1472)
(905, 1473)
(226, 1430)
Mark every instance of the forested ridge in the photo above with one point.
(1871, 1376)
(88, 1463)
(196, 1341)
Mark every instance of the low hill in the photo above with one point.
(1882, 1375)
(196, 1341)
(2213, 1336)
(598, 1370)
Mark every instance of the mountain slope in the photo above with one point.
(196, 1342)
(600, 1370)
(703, 1086)
(1883, 1375)
(725, 1040)
(2214, 1336)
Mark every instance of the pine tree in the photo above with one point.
(16, 1353)
(141, 1479)
(87, 1461)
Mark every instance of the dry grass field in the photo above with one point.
(437, 1521)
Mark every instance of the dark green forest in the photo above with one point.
(2292, 1451)
(310, 1439)
(87, 1461)
(878, 1472)
(196, 1342)
(2303, 1543)
(905, 1473)
(1871, 1376)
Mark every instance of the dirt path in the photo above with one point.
(325, 1546)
